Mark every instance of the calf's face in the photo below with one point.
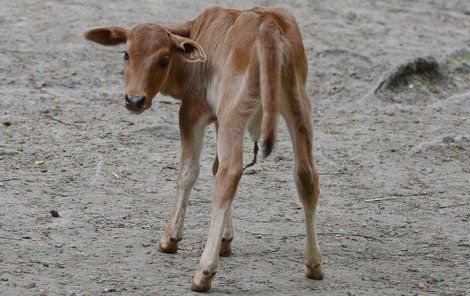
(150, 53)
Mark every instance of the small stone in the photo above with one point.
(279, 158)
(6, 123)
(30, 285)
(40, 84)
(55, 214)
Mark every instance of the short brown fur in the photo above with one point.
(239, 70)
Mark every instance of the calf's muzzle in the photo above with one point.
(134, 103)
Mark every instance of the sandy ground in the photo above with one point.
(395, 167)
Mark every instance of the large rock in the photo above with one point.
(426, 67)
(421, 80)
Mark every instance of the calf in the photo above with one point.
(237, 69)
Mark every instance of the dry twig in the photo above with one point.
(351, 234)
(454, 206)
(63, 122)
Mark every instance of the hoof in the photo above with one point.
(315, 273)
(197, 288)
(168, 246)
(225, 247)
(202, 280)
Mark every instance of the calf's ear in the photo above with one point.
(189, 50)
(107, 35)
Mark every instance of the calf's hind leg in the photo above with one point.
(229, 148)
(227, 236)
(298, 118)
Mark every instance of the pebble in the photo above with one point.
(30, 285)
(55, 214)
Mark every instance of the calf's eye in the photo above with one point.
(164, 62)
(126, 55)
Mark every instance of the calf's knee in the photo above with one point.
(189, 176)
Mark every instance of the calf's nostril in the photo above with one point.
(128, 101)
(140, 102)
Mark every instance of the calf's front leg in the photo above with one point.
(192, 126)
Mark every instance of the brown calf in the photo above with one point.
(237, 69)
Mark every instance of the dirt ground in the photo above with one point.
(393, 218)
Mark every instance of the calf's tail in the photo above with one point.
(270, 55)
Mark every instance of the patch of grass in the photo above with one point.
(432, 88)
(458, 58)
(417, 81)
(417, 78)
(445, 72)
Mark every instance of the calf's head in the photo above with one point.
(150, 53)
